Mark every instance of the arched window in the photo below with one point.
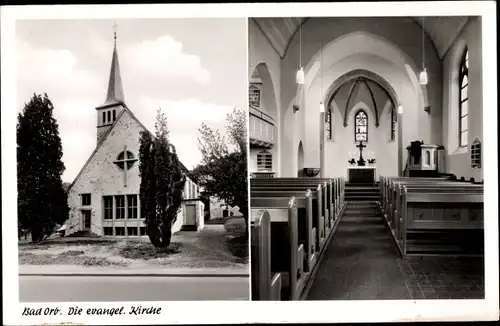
(393, 124)
(109, 116)
(103, 117)
(361, 126)
(254, 96)
(264, 161)
(114, 115)
(328, 124)
(463, 100)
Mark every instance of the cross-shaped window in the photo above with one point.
(125, 161)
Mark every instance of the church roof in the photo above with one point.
(115, 85)
(105, 136)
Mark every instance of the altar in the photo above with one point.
(361, 174)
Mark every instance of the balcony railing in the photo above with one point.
(262, 129)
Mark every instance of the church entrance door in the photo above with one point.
(86, 219)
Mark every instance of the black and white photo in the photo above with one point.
(223, 163)
(366, 158)
(115, 141)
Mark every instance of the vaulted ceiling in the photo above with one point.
(441, 31)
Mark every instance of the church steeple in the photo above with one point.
(115, 86)
(115, 101)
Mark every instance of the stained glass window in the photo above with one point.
(361, 126)
(393, 124)
(463, 106)
(328, 124)
(254, 96)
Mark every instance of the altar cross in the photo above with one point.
(361, 161)
(360, 146)
(125, 163)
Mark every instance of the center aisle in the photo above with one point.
(361, 262)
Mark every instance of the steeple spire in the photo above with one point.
(115, 86)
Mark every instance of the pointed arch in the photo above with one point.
(361, 76)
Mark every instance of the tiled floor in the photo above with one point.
(444, 278)
(363, 263)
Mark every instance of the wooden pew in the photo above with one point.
(394, 193)
(432, 229)
(395, 217)
(389, 192)
(265, 285)
(442, 223)
(387, 182)
(335, 190)
(391, 200)
(327, 195)
(315, 211)
(287, 256)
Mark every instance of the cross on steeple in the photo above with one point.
(114, 29)
(125, 161)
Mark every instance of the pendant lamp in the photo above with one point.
(423, 75)
(300, 73)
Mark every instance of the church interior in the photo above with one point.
(365, 158)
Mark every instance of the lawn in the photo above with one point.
(211, 248)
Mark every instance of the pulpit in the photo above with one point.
(422, 159)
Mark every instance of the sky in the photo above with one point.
(193, 68)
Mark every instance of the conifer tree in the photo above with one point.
(42, 200)
(162, 183)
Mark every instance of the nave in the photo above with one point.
(363, 263)
(366, 157)
(359, 253)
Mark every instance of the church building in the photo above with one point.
(104, 197)
(319, 86)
